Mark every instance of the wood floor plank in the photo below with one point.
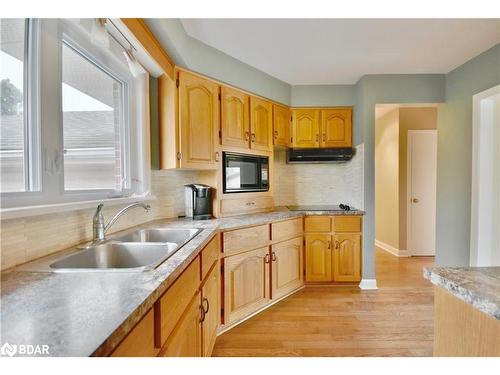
(395, 320)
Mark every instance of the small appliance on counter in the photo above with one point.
(198, 200)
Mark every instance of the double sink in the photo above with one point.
(141, 250)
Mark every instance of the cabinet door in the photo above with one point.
(318, 257)
(199, 122)
(287, 267)
(305, 128)
(246, 283)
(336, 127)
(235, 125)
(281, 125)
(140, 341)
(185, 340)
(261, 124)
(210, 303)
(347, 257)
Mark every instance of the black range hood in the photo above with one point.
(319, 155)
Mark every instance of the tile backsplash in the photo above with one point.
(309, 184)
(25, 239)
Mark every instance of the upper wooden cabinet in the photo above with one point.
(281, 125)
(235, 122)
(336, 127)
(199, 121)
(261, 124)
(305, 128)
(314, 128)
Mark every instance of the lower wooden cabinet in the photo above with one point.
(347, 257)
(185, 340)
(246, 283)
(211, 309)
(318, 257)
(287, 267)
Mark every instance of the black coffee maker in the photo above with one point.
(198, 201)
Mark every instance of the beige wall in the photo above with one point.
(387, 178)
(25, 239)
(409, 119)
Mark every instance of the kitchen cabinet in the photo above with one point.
(199, 122)
(235, 121)
(306, 124)
(281, 125)
(211, 309)
(185, 340)
(336, 127)
(347, 257)
(240, 240)
(246, 283)
(318, 257)
(140, 341)
(261, 124)
(287, 267)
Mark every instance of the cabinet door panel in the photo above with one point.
(140, 341)
(318, 257)
(287, 267)
(305, 128)
(210, 303)
(261, 124)
(246, 283)
(199, 121)
(185, 340)
(347, 257)
(235, 125)
(281, 125)
(336, 127)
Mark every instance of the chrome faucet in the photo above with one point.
(99, 229)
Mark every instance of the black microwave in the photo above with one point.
(245, 173)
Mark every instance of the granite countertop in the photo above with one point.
(479, 286)
(82, 314)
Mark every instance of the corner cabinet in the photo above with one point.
(261, 124)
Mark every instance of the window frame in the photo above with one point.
(45, 106)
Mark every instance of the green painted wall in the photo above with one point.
(192, 54)
(455, 155)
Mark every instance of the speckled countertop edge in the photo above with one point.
(478, 286)
(31, 298)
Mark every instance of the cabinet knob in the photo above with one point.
(415, 200)
(217, 156)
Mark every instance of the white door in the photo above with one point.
(422, 167)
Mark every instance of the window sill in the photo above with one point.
(21, 212)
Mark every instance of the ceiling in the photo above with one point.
(341, 51)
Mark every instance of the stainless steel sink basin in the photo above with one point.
(163, 235)
(116, 256)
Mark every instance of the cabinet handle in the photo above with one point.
(329, 244)
(253, 137)
(250, 203)
(202, 311)
(337, 244)
(217, 156)
(324, 137)
(317, 137)
(247, 136)
(266, 258)
(275, 134)
(273, 256)
(208, 305)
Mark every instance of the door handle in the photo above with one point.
(415, 200)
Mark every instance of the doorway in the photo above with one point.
(485, 202)
(421, 192)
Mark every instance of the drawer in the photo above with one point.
(248, 204)
(236, 241)
(175, 300)
(285, 230)
(209, 255)
(347, 224)
(317, 224)
(140, 341)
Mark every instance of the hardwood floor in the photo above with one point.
(395, 320)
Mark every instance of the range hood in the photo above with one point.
(319, 155)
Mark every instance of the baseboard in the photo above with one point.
(368, 284)
(391, 249)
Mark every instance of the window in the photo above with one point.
(17, 76)
(74, 118)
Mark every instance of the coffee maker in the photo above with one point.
(198, 200)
